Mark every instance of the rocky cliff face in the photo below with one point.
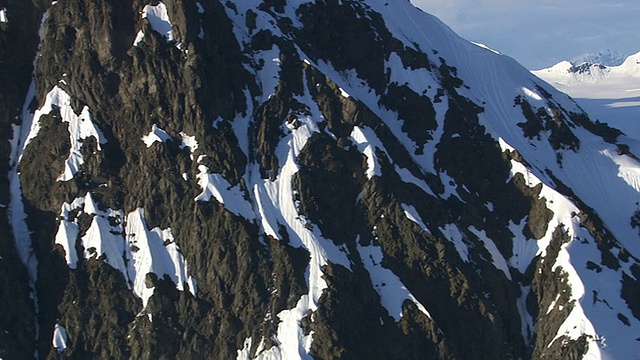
(292, 179)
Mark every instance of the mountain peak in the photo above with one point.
(606, 58)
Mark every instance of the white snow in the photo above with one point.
(22, 235)
(104, 240)
(496, 257)
(531, 94)
(139, 38)
(524, 250)
(154, 251)
(3, 16)
(392, 291)
(367, 142)
(608, 337)
(68, 232)
(485, 47)
(80, 127)
(159, 19)
(156, 134)
(232, 197)
(188, 142)
(604, 180)
(275, 203)
(131, 249)
(610, 94)
(453, 234)
(59, 340)
(412, 214)
(409, 178)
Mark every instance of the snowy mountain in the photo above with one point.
(608, 93)
(606, 58)
(301, 179)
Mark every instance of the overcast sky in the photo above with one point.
(541, 33)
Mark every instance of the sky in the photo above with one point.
(541, 33)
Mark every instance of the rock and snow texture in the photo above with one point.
(81, 127)
(392, 291)
(154, 251)
(127, 245)
(432, 183)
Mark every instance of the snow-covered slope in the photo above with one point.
(344, 179)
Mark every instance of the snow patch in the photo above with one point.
(104, 238)
(453, 234)
(159, 19)
(531, 94)
(392, 291)
(80, 127)
(232, 197)
(154, 251)
(524, 250)
(485, 47)
(139, 38)
(409, 178)
(200, 8)
(156, 134)
(276, 207)
(188, 142)
(496, 257)
(367, 142)
(412, 214)
(59, 340)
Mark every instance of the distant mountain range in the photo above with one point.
(607, 93)
(606, 58)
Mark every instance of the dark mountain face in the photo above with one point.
(292, 179)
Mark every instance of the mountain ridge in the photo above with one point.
(287, 153)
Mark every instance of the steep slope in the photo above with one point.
(18, 43)
(329, 179)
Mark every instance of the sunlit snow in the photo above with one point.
(392, 291)
(80, 128)
(216, 186)
(3, 16)
(412, 214)
(59, 340)
(156, 134)
(154, 251)
(159, 19)
(367, 142)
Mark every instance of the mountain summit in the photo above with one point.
(606, 58)
(301, 179)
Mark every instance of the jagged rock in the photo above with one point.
(277, 179)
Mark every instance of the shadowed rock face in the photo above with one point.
(322, 183)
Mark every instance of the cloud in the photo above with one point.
(538, 34)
